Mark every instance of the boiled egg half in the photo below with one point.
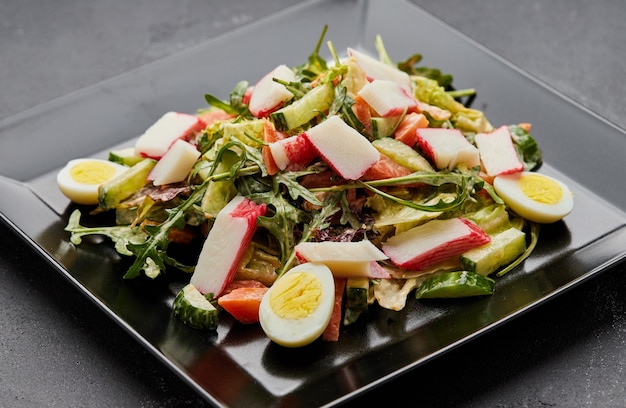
(80, 178)
(297, 308)
(534, 196)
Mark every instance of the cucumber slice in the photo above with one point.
(402, 154)
(503, 249)
(384, 127)
(304, 109)
(455, 285)
(194, 309)
(358, 294)
(219, 193)
(357, 290)
(126, 156)
(491, 218)
(111, 193)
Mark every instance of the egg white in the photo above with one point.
(507, 187)
(298, 332)
(82, 193)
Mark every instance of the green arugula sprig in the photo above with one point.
(151, 255)
(286, 216)
(342, 105)
(121, 235)
(315, 64)
(282, 224)
(288, 221)
(236, 105)
(526, 147)
(465, 184)
(149, 243)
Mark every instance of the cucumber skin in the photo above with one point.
(357, 293)
(196, 317)
(492, 219)
(503, 249)
(126, 156)
(357, 290)
(384, 127)
(402, 154)
(304, 109)
(459, 284)
(111, 193)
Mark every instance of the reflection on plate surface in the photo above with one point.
(252, 370)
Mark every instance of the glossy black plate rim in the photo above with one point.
(584, 262)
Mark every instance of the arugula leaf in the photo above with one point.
(320, 218)
(343, 103)
(281, 224)
(526, 147)
(151, 255)
(237, 97)
(121, 235)
(253, 155)
(298, 89)
(465, 184)
(315, 65)
(286, 218)
(318, 222)
(441, 205)
(210, 136)
(295, 189)
(347, 216)
(235, 105)
(410, 67)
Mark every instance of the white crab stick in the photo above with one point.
(344, 149)
(225, 245)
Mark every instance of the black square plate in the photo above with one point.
(239, 366)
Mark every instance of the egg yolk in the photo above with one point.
(92, 172)
(540, 189)
(296, 295)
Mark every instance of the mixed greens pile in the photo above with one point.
(313, 203)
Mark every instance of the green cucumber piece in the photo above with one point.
(402, 154)
(491, 218)
(219, 193)
(111, 193)
(194, 309)
(455, 285)
(350, 316)
(503, 249)
(301, 111)
(384, 127)
(357, 299)
(357, 293)
(126, 156)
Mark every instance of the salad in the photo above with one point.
(320, 191)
